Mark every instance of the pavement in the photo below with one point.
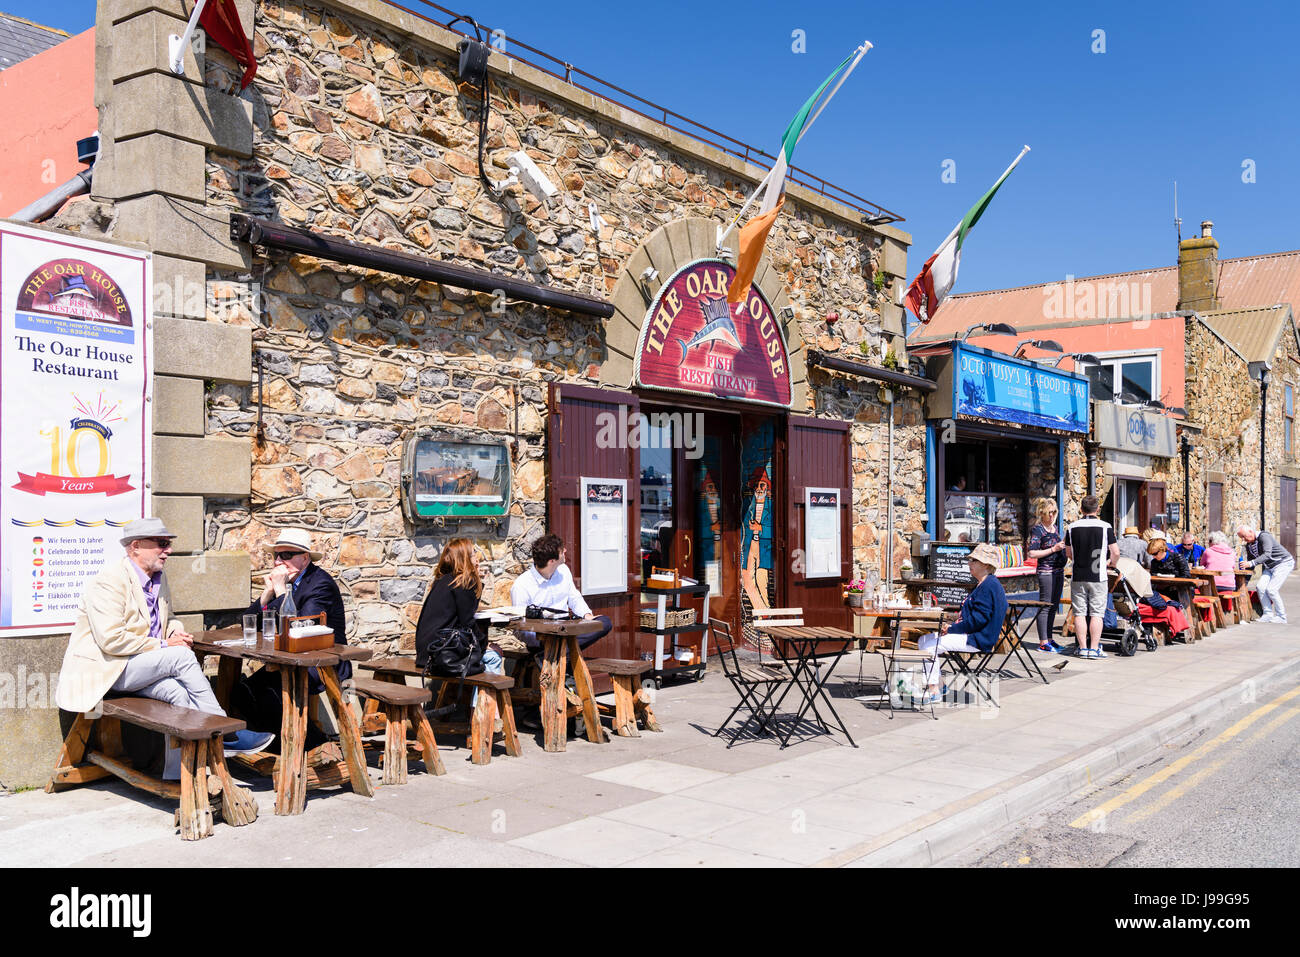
(914, 792)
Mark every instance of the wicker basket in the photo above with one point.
(672, 619)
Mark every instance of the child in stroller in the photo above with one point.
(1139, 607)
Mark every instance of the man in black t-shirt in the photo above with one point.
(1091, 547)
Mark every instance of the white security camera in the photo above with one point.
(534, 180)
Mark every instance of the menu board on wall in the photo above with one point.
(822, 532)
(948, 564)
(604, 536)
(75, 418)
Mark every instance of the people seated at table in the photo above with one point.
(1091, 547)
(451, 603)
(1153, 608)
(1048, 549)
(548, 584)
(1165, 561)
(1219, 557)
(1190, 549)
(1132, 545)
(1266, 552)
(257, 697)
(125, 640)
(978, 625)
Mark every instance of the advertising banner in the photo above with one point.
(691, 341)
(75, 418)
(1012, 390)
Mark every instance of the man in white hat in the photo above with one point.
(257, 697)
(125, 640)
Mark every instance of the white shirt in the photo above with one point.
(556, 592)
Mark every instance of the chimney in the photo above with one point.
(1198, 272)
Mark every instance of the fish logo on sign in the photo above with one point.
(718, 327)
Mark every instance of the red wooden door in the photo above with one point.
(816, 455)
(577, 416)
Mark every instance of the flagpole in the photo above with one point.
(861, 51)
(176, 45)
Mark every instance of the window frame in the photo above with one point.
(1114, 361)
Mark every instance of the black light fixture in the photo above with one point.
(1047, 345)
(992, 329)
(1087, 357)
(1155, 404)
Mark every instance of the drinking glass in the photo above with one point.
(250, 630)
(269, 625)
(927, 600)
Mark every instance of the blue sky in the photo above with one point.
(1185, 92)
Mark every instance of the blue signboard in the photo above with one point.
(994, 386)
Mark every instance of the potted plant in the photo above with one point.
(906, 568)
(853, 592)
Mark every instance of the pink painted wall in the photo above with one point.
(48, 103)
(1167, 335)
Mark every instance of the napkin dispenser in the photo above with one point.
(304, 633)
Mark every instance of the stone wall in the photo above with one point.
(361, 130)
(1225, 401)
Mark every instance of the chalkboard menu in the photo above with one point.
(948, 564)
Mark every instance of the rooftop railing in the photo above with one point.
(873, 214)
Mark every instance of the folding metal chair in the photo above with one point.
(973, 666)
(896, 656)
(757, 685)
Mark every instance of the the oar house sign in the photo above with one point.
(691, 341)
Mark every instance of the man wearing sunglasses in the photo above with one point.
(125, 640)
(257, 697)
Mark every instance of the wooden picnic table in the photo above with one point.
(291, 770)
(561, 656)
(1186, 589)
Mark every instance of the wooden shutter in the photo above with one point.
(817, 455)
(1286, 534)
(572, 452)
(1216, 507)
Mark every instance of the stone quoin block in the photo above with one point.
(183, 516)
(209, 581)
(182, 229)
(211, 466)
(178, 406)
(203, 350)
(162, 103)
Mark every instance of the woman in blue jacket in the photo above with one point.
(979, 623)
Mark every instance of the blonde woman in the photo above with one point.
(1047, 548)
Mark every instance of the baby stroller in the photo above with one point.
(1134, 584)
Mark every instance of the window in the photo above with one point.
(1125, 378)
(1288, 418)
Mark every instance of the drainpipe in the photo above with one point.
(887, 395)
(48, 205)
(1092, 468)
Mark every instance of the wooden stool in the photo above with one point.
(403, 709)
(1234, 601)
(630, 699)
(200, 737)
(493, 702)
(1213, 611)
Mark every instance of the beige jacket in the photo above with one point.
(112, 625)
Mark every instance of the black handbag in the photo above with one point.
(454, 653)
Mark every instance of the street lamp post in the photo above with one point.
(1185, 447)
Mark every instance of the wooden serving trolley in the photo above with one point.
(669, 639)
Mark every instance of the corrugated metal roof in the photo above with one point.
(1246, 282)
(1254, 333)
(20, 39)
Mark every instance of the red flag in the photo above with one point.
(221, 20)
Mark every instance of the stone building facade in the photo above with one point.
(286, 385)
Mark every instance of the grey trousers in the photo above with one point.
(170, 674)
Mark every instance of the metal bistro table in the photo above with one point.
(797, 647)
(291, 770)
(560, 655)
(1014, 628)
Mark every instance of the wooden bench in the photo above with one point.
(201, 748)
(1213, 611)
(493, 702)
(630, 699)
(403, 710)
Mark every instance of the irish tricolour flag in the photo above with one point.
(753, 235)
(931, 287)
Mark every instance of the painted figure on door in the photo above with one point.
(756, 552)
(709, 519)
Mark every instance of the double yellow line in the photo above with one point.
(1145, 785)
